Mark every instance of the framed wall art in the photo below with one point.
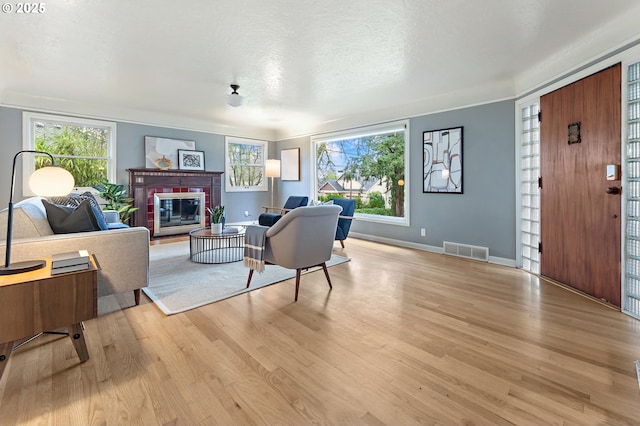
(442, 161)
(190, 160)
(162, 153)
(290, 163)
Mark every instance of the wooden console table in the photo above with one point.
(35, 302)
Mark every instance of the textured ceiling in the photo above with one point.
(302, 66)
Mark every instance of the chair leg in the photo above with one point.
(298, 273)
(136, 296)
(250, 276)
(342, 243)
(326, 274)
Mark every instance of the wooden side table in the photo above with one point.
(35, 302)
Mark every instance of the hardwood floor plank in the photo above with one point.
(404, 337)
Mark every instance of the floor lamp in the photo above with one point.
(48, 181)
(273, 171)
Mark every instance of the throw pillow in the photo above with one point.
(102, 223)
(67, 220)
(74, 200)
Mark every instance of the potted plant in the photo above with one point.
(115, 196)
(217, 219)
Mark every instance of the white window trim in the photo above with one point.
(362, 132)
(28, 143)
(255, 188)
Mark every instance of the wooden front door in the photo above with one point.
(580, 223)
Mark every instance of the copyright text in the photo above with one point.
(24, 8)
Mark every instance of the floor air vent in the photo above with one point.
(463, 250)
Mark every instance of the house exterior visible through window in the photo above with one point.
(368, 165)
(86, 148)
(245, 161)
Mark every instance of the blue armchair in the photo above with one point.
(344, 223)
(294, 201)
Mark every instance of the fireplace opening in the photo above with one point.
(178, 213)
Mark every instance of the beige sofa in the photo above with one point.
(123, 254)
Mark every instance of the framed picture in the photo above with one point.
(162, 153)
(442, 161)
(190, 160)
(290, 164)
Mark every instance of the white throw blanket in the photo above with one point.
(254, 241)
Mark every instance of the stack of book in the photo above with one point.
(231, 230)
(69, 262)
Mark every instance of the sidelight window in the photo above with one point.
(631, 287)
(529, 191)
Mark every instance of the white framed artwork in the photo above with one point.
(162, 153)
(290, 164)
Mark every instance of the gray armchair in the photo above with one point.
(301, 239)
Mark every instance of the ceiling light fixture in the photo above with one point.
(234, 99)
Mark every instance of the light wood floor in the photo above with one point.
(405, 337)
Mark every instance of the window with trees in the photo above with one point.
(86, 148)
(369, 165)
(245, 161)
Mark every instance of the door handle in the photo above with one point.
(613, 190)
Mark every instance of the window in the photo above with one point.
(529, 191)
(86, 148)
(245, 165)
(631, 277)
(369, 165)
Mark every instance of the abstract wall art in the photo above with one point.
(442, 160)
(162, 153)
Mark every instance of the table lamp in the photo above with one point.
(48, 181)
(272, 171)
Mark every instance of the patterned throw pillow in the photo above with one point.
(74, 200)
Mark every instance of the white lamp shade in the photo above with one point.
(51, 181)
(273, 168)
(234, 100)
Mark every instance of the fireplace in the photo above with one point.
(150, 187)
(177, 213)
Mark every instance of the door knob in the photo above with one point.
(613, 190)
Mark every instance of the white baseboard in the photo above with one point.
(424, 247)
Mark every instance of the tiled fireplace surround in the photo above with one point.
(144, 183)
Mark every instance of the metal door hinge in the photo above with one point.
(539, 116)
(540, 182)
(540, 247)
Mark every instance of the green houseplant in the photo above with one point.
(217, 213)
(116, 198)
(217, 218)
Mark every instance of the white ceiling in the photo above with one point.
(303, 66)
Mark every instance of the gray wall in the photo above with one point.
(10, 143)
(130, 154)
(303, 186)
(483, 215)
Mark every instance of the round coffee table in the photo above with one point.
(205, 247)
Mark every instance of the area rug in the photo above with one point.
(176, 284)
